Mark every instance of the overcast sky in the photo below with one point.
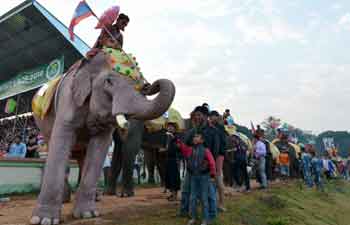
(287, 58)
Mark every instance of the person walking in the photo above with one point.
(306, 165)
(172, 172)
(260, 154)
(240, 164)
(219, 156)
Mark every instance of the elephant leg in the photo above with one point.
(48, 208)
(85, 205)
(161, 159)
(116, 165)
(150, 164)
(80, 161)
(67, 190)
(130, 149)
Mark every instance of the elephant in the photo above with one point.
(125, 152)
(87, 102)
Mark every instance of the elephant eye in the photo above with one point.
(109, 81)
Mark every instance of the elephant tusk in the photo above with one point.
(121, 121)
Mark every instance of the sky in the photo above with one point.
(285, 58)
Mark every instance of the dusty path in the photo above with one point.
(114, 210)
(18, 210)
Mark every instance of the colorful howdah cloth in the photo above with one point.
(42, 100)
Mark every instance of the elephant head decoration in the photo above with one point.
(87, 103)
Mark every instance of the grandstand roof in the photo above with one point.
(31, 36)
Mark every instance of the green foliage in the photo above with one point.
(283, 205)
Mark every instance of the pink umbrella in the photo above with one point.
(108, 17)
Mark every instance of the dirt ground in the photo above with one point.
(18, 210)
(114, 210)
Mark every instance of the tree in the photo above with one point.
(270, 125)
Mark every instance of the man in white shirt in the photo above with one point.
(260, 155)
(107, 165)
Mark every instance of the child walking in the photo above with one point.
(316, 165)
(201, 167)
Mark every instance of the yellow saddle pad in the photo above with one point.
(172, 116)
(43, 98)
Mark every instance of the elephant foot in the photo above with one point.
(85, 211)
(85, 206)
(127, 194)
(44, 221)
(85, 214)
(45, 215)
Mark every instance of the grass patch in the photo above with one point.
(287, 205)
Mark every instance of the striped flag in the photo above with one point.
(82, 11)
(10, 106)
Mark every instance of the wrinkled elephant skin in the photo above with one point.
(87, 105)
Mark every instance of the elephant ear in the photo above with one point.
(81, 88)
(82, 84)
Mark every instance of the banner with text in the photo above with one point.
(31, 79)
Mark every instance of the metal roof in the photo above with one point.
(31, 36)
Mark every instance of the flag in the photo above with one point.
(252, 126)
(108, 17)
(82, 11)
(10, 106)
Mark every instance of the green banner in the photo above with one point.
(31, 79)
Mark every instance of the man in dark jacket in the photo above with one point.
(218, 130)
(212, 142)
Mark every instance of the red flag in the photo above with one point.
(82, 11)
(108, 17)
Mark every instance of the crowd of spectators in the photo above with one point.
(19, 138)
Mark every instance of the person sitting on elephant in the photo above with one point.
(105, 39)
(172, 172)
(201, 167)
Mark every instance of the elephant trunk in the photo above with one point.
(152, 109)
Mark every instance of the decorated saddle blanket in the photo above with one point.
(171, 116)
(125, 64)
(43, 99)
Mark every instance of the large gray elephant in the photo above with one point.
(87, 103)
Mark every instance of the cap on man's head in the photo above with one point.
(227, 110)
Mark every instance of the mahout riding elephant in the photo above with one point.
(87, 103)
